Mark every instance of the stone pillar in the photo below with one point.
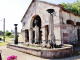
(16, 36)
(36, 34)
(44, 31)
(51, 30)
(61, 32)
(43, 35)
(30, 35)
(44, 39)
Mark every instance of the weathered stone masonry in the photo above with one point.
(66, 24)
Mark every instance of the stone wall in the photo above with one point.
(64, 33)
(69, 33)
(57, 34)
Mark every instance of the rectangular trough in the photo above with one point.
(65, 51)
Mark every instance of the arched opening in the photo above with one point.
(70, 22)
(78, 23)
(38, 21)
(38, 24)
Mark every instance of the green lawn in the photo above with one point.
(1, 36)
(8, 40)
(4, 43)
(6, 37)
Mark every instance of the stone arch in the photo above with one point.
(70, 22)
(31, 22)
(33, 27)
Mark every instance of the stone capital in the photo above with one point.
(15, 25)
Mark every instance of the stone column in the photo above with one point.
(44, 31)
(30, 35)
(51, 30)
(44, 35)
(16, 36)
(36, 34)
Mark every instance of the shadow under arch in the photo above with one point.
(70, 22)
(78, 23)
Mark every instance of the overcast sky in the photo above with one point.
(13, 11)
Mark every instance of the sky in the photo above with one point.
(14, 10)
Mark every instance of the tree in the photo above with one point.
(65, 5)
(8, 33)
(0, 31)
(73, 7)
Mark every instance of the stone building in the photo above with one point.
(66, 25)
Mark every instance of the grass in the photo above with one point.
(16, 44)
(4, 43)
(6, 37)
(9, 41)
(36, 47)
(1, 36)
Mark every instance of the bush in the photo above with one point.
(8, 33)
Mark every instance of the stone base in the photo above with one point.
(65, 51)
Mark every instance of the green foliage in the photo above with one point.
(65, 5)
(0, 31)
(73, 7)
(8, 33)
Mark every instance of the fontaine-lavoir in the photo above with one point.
(48, 30)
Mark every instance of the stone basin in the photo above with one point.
(65, 51)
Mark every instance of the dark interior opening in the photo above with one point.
(47, 28)
(27, 36)
(70, 22)
(39, 25)
(78, 23)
